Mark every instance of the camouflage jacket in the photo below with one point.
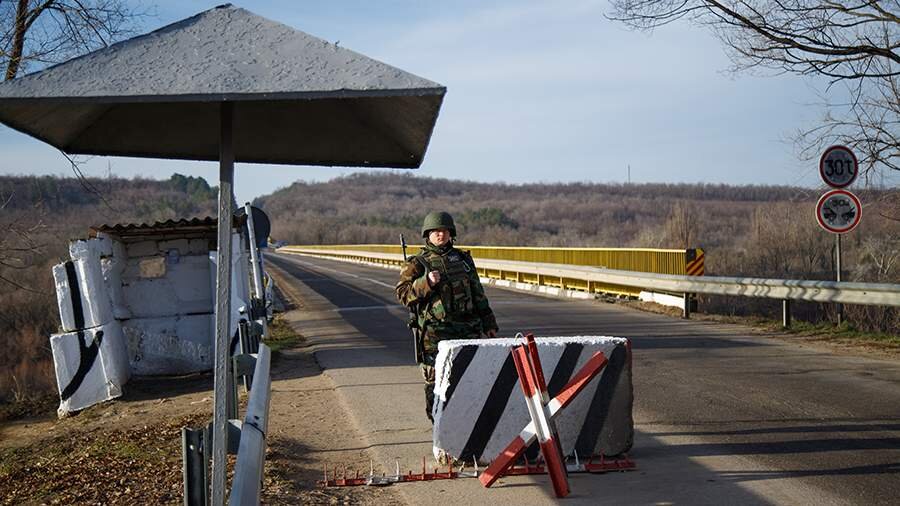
(457, 300)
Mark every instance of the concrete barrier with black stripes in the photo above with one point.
(479, 406)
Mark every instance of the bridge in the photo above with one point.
(723, 414)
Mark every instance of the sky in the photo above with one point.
(537, 91)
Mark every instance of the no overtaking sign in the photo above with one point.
(838, 211)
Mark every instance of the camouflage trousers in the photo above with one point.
(427, 367)
(433, 335)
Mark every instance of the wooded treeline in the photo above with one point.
(39, 215)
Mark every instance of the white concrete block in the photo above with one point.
(91, 366)
(90, 248)
(142, 249)
(148, 298)
(170, 345)
(81, 294)
(112, 268)
(479, 404)
(182, 245)
(189, 282)
(152, 267)
(662, 298)
(240, 281)
(183, 290)
(198, 247)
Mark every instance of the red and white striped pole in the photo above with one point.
(536, 397)
(542, 426)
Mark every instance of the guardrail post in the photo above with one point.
(686, 313)
(195, 454)
(231, 393)
(233, 434)
(786, 313)
(243, 366)
(257, 332)
(246, 342)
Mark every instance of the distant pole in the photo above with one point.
(837, 265)
(629, 173)
(223, 303)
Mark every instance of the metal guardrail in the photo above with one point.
(251, 455)
(247, 439)
(583, 277)
(244, 438)
(662, 261)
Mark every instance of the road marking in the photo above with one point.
(364, 308)
(357, 276)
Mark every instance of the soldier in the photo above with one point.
(441, 285)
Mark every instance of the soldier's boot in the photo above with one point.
(428, 375)
(429, 401)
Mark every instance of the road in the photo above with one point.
(722, 415)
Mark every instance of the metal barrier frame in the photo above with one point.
(251, 455)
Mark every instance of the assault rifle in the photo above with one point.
(413, 321)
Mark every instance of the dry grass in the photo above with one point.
(134, 466)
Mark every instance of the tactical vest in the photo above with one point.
(453, 299)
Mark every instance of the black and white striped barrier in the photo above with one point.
(81, 294)
(91, 366)
(89, 356)
(479, 408)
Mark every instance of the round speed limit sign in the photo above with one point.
(838, 166)
(838, 211)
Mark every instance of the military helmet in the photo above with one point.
(438, 219)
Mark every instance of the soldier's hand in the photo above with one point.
(434, 277)
(492, 333)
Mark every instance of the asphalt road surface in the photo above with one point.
(721, 416)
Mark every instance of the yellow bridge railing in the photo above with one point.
(659, 261)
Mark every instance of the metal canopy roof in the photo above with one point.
(297, 99)
(185, 227)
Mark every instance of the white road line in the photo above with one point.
(364, 308)
(316, 266)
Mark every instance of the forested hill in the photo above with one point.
(376, 207)
(175, 197)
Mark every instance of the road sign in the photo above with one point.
(838, 166)
(838, 211)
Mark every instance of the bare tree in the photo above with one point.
(18, 247)
(680, 229)
(45, 32)
(855, 43)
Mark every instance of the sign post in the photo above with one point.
(838, 211)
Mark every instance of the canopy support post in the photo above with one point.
(223, 302)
